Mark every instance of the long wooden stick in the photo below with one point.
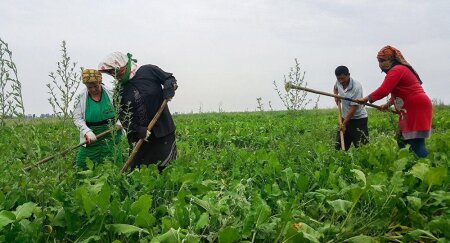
(289, 86)
(64, 152)
(141, 141)
(341, 133)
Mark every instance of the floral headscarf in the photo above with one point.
(91, 76)
(389, 52)
(117, 60)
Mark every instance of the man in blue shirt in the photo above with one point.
(354, 115)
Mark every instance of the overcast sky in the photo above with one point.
(227, 53)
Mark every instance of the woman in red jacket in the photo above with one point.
(408, 97)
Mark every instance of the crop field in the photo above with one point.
(239, 177)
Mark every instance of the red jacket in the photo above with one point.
(410, 100)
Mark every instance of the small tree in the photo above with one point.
(260, 106)
(64, 85)
(294, 99)
(62, 89)
(11, 102)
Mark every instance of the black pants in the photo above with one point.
(356, 132)
(159, 151)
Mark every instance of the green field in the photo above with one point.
(239, 177)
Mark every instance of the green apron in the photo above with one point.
(97, 115)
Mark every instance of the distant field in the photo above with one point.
(252, 177)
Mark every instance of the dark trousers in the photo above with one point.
(159, 151)
(356, 132)
(417, 145)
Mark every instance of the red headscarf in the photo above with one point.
(389, 52)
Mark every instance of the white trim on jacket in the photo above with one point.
(79, 112)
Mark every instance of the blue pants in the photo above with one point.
(417, 145)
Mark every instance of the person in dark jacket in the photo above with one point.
(142, 91)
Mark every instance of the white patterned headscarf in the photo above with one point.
(117, 60)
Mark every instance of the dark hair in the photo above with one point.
(341, 70)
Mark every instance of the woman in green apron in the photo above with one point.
(94, 113)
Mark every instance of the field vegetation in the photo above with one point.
(239, 177)
(252, 177)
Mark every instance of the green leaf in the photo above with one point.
(262, 212)
(202, 221)
(403, 153)
(188, 178)
(73, 220)
(377, 187)
(2, 196)
(360, 176)
(400, 164)
(340, 206)
(397, 181)
(204, 204)
(142, 204)
(167, 223)
(181, 215)
(293, 236)
(318, 197)
(258, 215)
(302, 232)
(117, 213)
(417, 234)
(440, 225)
(90, 164)
(302, 183)
(126, 229)
(228, 235)
(356, 193)
(419, 170)
(440, 198)
(144, 219)
(86, 173)
(275, 190)
(6, 217)
(86, 200)
(58, 220)
(102, 199)
(92, 238)
(414, 202)
(96, 188)
(289, 174)
(25, 225)
(25, 210)
(435, 176)
(171, 236)
(310, 233)
(362, 239)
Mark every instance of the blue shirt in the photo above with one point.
(354, 90)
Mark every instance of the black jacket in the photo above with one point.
(141, 98)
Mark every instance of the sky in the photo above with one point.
(227, 53)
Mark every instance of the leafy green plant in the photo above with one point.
(259, 176)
